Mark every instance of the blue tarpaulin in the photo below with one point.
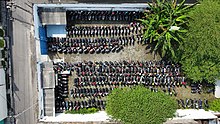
(43, 40)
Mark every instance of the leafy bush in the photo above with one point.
(215, 105)
(83, 111)
(138, 105)
(200, 52)
(2, 43)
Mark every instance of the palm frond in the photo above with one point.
(162, 17)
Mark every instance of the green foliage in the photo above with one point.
(200, 56)
(215, 105)
(2, 43)
(1, 32)
(162, 23)
(83, 111)
(138, 105)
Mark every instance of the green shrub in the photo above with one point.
(2, 43)
(83, 111)
(1, 32)
(215, 105)
(138, 105)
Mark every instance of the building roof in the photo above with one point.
(200, 114)
(181, 121)
(217, 89)
(111, 1)
(48, 75)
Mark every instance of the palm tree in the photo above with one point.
(164, 26)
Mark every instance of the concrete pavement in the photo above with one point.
(23, 63)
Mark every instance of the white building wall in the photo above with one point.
(2, 76)
(217, 89)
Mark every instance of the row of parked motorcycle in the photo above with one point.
(197, 88)
(124, 66)
(91, 46)
(104, 30)
(83, 92)
(148, 63)
(127, 71)
(103, 15)
(193, 103)
(64, 105)
(61, 89)
(127, 80)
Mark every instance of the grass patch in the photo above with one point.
(83, 111)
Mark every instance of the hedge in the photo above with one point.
(83, 111)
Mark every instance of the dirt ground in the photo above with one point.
(184, 93)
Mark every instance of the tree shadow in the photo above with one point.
(150, 49)
(53, 55)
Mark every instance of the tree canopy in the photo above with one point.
(200, 57)
(138, 105)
